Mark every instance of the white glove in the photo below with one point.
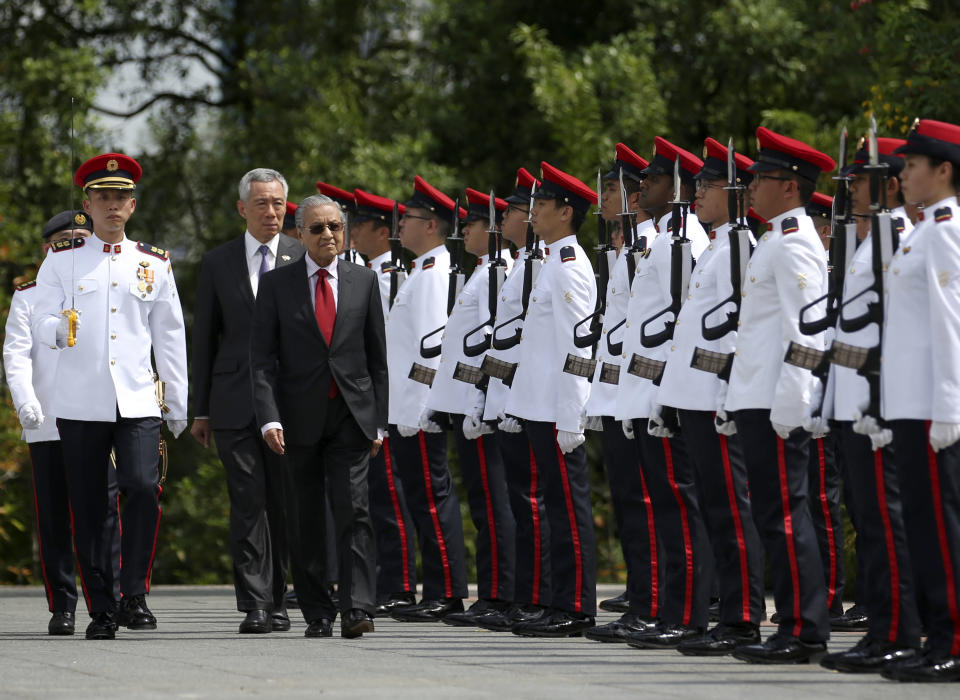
(627, 426)
(176, 427)
(723, 425)
(594, 423)
(473, 428)
(31, 415)
(427, 424)
(881, 438)
(509, 424)
(568, 441)
(407, 430)
(655, 425)
(782, 430)
(816, 425)
(942, 435)
(63, 330)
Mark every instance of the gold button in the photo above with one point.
(738, 324)
(114, 284)
(710, 247)
(113, 362)
(672, 348)
(113, 309)
(677, 322)
(624, 356)
(113, 257)
(79, 287)
(503, 298)
(627, 325)
(113, 336)
(534, 298)
(753, 279)
(143, 296)
(697, 285)
(743, 295)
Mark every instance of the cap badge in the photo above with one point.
(704, 151)
(80, 219)
(112, 166)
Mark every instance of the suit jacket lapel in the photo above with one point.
(288, 250)
(239, 264)
(344, 298)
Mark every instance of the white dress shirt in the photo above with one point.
(252, 247)
(312, 278)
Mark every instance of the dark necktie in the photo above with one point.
(326, 312)
(263, 250)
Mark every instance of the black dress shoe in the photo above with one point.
(721, 640)
(619, 604)
(290, 600)
(319, 628)
(867, 656)
(618, 630)
(504, 621)
(775, 618)
(102, 626)
(61, 624)
(663, 636)
(428, 610)
(469, 617)
(781, 649)
(395, 601)
(355, 623)
(279, 621)
(855, 618)
(559, 624)
(256, 622)
(929, 667)
(134, 614)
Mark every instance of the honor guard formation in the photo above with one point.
(747, 348)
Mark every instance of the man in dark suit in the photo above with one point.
(223, 398)
(319, 363)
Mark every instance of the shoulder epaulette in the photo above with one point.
(153, 250)
(790, 225)
(943, 214)
(428, 263)
(568, 253)
(68, 244)
(25, 285)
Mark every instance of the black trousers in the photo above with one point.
(566, 492)
(339, 460)
(258, 531)
(721, 481)
(825, 487)
(684, 596)
(485, 480)
(930, 489)
(393, 526)
(849, 494)
(779, 499)
(422, 463)
(634, 516)
(86, 452)
(885, 576)
(532, 527)
(54, 532)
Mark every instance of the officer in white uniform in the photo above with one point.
(420, 309)
(771, 398)
(552, 403)
(127, 301)
(31, 375)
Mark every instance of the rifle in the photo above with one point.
(72, 314)
(740, 250)
(605, 251)
(397, 271)
(496, 271)
(529, 265)
(456, 282)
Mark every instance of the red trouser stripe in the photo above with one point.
(828, 523)
(685, 529)
(893, 565)
(738, 528)
(397, 514)
(435, 517)
(652, 538)
(788, 533)
(535, 514)
(944, 548)
(491, 524)
(43, 561)
(574, 532)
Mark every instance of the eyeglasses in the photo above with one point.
(334, 227)
(703, 186)
(760, 177)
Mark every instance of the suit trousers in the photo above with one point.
(393, 526)
(258, 537)
(634, 517)
(721, 482)
(86, 451)
(825, 487)
(525, 491)
(780, 501)
(885, 576)
(340, 460)
(482, 469)
(930, 489)
(54, 532)
(422, 463)
(566, 491)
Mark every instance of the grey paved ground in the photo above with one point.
(196, 653)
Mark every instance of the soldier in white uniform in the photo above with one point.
(456, 396)
(370, 228)
(920, 397)
(769, 398)
(683, 548)
(128, 306)
(552, 402)
(720, 474)
(31, 374)
(418, 310)
(532, 572)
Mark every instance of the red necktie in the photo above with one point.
(326, 312)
